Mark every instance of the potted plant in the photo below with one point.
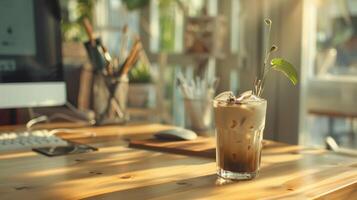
(141, 87)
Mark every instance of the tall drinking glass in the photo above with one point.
(239, 133)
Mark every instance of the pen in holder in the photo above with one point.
(95, 54)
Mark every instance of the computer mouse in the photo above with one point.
(176, 134)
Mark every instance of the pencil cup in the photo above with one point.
(110, 99)
(198, 114)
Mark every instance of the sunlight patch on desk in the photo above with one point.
(16, 155)
(51, 172)
(281, 158)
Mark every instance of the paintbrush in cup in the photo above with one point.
(131, 59)
(123, 43)
(108, 69)
(89, 30)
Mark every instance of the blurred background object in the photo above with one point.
(73, 14)
(331, 86)
(142, 89)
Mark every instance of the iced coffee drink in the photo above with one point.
(239, 125)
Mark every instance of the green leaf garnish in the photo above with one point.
(286, 68)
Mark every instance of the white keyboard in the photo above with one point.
(29, 139)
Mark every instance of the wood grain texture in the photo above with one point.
(119, 172)
(201, 147)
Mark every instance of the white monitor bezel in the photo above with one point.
(32, 94)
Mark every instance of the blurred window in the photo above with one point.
(336, 37)
(331, 60)
(167, 21)
(110, 17)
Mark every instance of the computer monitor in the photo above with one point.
(31, 71)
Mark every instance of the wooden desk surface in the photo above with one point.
(118, 172)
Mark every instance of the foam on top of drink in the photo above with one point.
(228, 97)
(245, 112)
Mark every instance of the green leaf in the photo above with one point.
(286, 68)
(140, 74)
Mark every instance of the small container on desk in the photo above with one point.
(110, 89)
(110, 99)
(198, 115)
